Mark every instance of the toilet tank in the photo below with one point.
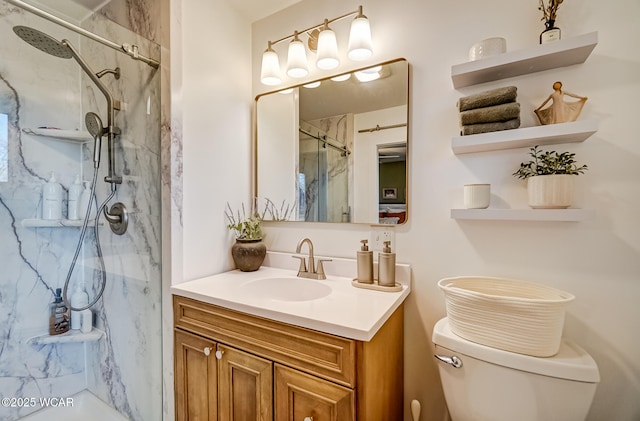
(497, 385)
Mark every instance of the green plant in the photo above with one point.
(244, 227)
(546, 163)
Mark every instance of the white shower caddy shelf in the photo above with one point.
(542, 57)
(73, 136)
(70, 337)
(56, 223)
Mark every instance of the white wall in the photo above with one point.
(216, 113)
(597, 260)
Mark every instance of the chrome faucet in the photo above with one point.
(311, 273)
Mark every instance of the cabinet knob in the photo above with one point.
(206, 351)
(219, 354)
(308, 418)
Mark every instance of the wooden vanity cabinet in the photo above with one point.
(269, 370)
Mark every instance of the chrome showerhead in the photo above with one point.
(95, 127)
(43, 42)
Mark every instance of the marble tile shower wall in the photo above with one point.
(125, 367)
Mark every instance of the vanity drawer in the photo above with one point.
(327, 356)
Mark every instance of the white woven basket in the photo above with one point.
(517, 316)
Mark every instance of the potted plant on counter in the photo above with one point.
(248, 251)
(549, 178)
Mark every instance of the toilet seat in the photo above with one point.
(570, 363)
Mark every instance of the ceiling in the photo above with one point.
(255, 10)
(78, 10)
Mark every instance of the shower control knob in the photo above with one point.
(219, 354)
(207, 351)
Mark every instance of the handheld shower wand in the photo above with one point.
(95, 128)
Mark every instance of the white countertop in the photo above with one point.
(346, 311)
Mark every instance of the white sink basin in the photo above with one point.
(287, 289)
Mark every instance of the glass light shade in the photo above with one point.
(360, 45)
(341, 78)
(327, 50)
(270, 72)
(367, 75)
(312, 84)
(297, 59)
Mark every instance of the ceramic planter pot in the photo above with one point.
(248, 255)
(550, 191)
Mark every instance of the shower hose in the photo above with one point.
(103, 274)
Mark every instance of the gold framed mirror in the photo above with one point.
(335, 150)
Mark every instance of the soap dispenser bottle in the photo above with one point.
(58, 315)
(74, 199)
(365, 264)
(386, 266)
(52, 199)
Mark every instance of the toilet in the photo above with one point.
(484, 383)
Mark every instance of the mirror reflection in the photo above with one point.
(335, 152)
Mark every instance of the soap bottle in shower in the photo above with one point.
(85, 198)
(386, 266)
(52, 199)
(365, 264)
(79, 299)
(74, 199)
(58, 315)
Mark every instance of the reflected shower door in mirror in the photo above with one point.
(336, 152)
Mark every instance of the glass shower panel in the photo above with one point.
(46, 99)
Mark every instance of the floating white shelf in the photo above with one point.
(521, 62)
(56, 223)
(560, 215)
(551, 134)
(72, 336)
(73, 136)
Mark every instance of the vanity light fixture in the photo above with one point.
(360, 45)
(327, 48)
(270, 73)
(297, 58)
(360, 48)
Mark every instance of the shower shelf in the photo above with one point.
(73, 136)
(56, 223)
(72, 336)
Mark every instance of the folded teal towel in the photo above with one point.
(490, 127)
(492, 114)
(488, 98)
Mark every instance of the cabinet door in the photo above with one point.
(245, 384)
(195, 378)
(302, 397)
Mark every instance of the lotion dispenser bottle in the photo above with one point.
(85, 198)
(386, 266)
(79, 299)
(74, 199)
(52, 199)
(365, 264)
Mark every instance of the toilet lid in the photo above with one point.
(570, 363)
